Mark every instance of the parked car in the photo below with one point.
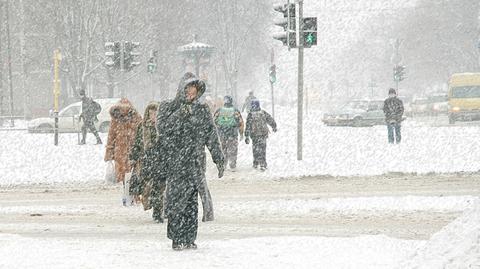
(68, 118)
(431, 105)
(419, 107)
(357, 113)
(438, 104)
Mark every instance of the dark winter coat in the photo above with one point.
(184, 129)
(90, 110)
(142, 152)
(121, 135)
(393, 110)
(257, 124)
(226, 130)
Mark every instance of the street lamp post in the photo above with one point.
(197, 53)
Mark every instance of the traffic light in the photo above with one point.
(399, 73)
(309, 32)
(129, 60)
(152, 62)
(273, 74)
(288, 37)
(113, 54)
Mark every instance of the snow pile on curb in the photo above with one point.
(457, 245)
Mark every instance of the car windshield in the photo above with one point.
(437, 99)
(466, 92)
(356, 105)
(70, 112)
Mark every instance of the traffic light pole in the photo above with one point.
(300, 82)
(122, 69)
(272, 59)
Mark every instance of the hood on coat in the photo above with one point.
(123, 111)
(189, 79)
(146, 115)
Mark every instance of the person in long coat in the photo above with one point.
(150, 183)
(185, 127)
(121, 135)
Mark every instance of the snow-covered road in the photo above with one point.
(358, 222)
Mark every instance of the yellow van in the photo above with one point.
(464, 97)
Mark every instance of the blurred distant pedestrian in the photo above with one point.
(248, 102)
(257, 129)
(90, 110)
(229, 124)
(393, 110)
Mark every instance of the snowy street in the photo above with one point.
(318, 220)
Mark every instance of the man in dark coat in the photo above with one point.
(90, 110)
(393, 110)
(229, 124)
(185, 127)
(257, 128)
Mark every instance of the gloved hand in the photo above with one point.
(247, 141)
(221, 169)
(274, 130)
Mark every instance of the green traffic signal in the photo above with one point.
(310, 39)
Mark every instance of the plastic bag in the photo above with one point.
(127, 199)
(110, 177)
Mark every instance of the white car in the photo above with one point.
(357, 113)
(68, 118)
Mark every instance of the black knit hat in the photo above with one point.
(392, 91)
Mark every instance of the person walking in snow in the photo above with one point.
(229, 124)
(185, 127)
(248, 102)
(90, 110)
(257, 129)
(150, 184)
(121, 135)
(393, 110)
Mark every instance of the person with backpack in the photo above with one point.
(229, 124)
(393, 109)
(90, 111)
(257, 129)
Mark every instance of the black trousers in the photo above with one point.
(90, 126)
(183, 225)
(259, 148)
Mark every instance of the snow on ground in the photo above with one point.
(265, 252)
(337, 151)
(289, 207)
(456, 246)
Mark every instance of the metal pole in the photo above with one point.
(122, 68)
(56, 92)
(1, 65)
(300, 82)
(9, 59)
(272, 60)
(23, 73)
(197, 64)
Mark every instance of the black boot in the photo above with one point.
(177, 246)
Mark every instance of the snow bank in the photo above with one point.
(457, 245)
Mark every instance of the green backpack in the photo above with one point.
(226, 117)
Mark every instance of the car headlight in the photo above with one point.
(455, 108)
